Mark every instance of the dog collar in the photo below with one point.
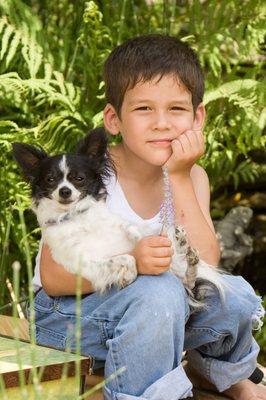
(66, 217)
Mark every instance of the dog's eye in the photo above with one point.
(79, 178)
(50, 179)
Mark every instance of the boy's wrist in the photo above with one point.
(179, 175)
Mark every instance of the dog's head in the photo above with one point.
(67, 178)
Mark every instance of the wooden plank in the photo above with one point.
(47, 373)
(16, 355)
(49, 391)
(8, 326)
(204, 395)
(31, 355)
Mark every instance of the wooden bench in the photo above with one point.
(57, 369)
(51, 362)
(54, 369)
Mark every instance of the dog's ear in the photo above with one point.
(28, 157)
(94, 145)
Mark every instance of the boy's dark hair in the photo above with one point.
(145, 57)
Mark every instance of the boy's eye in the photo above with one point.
(177, 109)
(143, 108)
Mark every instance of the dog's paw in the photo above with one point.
(192, 256)
(128, 271)
(191, 275)
(133, 233)
(180, 235)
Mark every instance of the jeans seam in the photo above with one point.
(113, 355)
(103, 333)
(214, 333)
(208, 367)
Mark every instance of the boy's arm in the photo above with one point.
(191, 194)
(56, 280)
(191, 190)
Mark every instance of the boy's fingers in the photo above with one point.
(162, 262)
(158, 241)
(162, 252)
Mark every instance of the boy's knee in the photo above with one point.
(163, 285)
(241, 299)
(164, 291)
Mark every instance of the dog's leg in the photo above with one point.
(132, 232)
(119, 270)
(179, 261)
(188, 270)
(192, 268)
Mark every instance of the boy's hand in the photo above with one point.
(153, 255)
(187, 149)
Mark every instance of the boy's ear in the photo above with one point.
(111, 119)
(28, 157)
(199, 117)
(93, 145)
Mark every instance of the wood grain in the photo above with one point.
(49, 363)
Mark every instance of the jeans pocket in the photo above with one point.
(47, 337)
(106, 329)
(44, 303)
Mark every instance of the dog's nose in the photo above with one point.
(65, 192)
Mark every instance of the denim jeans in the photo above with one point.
(146, 326)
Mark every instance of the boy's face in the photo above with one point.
(154, 113)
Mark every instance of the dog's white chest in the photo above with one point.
(96, 232)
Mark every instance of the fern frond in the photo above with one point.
(14, 39)
(5, 40)
(247, 171)
(230, 89)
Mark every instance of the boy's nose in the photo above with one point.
(161, 122)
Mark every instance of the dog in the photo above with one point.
(68, 198)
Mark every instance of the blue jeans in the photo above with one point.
(146, 326)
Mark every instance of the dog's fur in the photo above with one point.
(68, 197)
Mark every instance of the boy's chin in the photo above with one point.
(159, 161)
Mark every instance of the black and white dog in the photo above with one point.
(68, 197)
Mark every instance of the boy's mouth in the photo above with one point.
(161, 142)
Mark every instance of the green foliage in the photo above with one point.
(51, 89)
(260, 337)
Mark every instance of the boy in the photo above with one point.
(154, 91)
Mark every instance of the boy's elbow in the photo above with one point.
(215, 261)
(218, 255)
(217, 252)
(214, 255)
(48, 287)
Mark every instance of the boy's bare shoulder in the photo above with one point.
(198, 174)
(201, 187)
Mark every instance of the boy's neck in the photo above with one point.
(131, 167)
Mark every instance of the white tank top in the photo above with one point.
(116, 202)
